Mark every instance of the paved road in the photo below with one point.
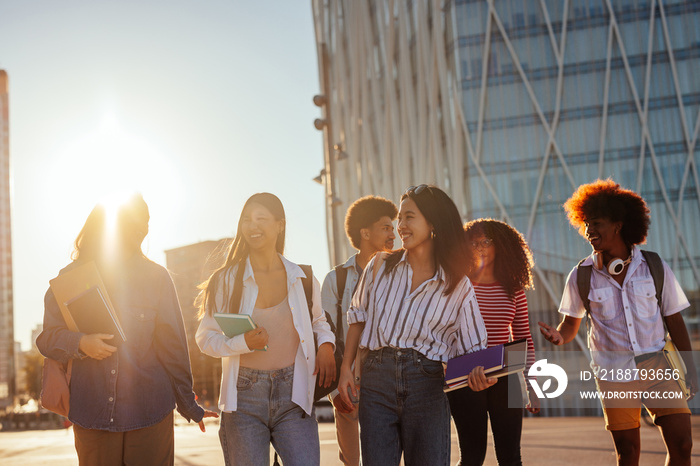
(546, 441)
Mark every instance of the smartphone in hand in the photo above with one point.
(352, 397)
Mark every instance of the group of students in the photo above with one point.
(450, 289)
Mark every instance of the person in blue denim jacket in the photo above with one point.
(122, 397)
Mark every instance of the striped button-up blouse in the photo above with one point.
(427, 320)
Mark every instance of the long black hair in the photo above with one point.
(450, 250)
(513, 264)
(237, 254)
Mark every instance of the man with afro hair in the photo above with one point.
(370, 229)
(618, 286)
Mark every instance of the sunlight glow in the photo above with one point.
(105, 161)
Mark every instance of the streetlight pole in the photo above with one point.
(325, 124)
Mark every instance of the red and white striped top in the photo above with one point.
(505, 319)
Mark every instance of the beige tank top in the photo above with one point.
(283, 339)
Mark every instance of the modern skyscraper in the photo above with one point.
(509, 105)
(7, 334)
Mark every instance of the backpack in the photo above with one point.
(55, 386)
(320, 392)
(341, 276)
(583, 278)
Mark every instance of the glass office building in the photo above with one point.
(509, 105)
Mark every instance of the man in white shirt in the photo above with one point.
(627, 320)
(370, 229)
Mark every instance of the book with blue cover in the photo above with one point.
(235, 324)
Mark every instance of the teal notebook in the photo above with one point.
(235, 324)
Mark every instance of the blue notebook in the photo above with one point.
(235, 324)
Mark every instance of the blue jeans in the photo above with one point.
(403, 409)
(267, 414)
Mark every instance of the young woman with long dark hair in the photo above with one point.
(413, 309)
(266, 396)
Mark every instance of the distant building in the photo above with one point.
(509, 106)
(35, 333)
(189, 266)
(20, 377)
(7, 336)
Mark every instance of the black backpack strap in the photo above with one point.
(656, 268)
(341, 276)
(308, 288)
(235, 307)
(583, 281)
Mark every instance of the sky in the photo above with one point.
(197, 104)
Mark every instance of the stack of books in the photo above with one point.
(497, 361)
(85, 304)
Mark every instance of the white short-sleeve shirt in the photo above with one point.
(625, 319)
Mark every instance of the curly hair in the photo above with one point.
(363, 213)
(513, 263)
(607, 199)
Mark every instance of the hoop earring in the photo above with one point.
(432, 234)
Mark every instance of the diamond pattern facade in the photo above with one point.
(509, 105)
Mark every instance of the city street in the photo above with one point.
(546, 441)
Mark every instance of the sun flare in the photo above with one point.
(106, 161)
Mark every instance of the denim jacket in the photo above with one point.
(149, 374)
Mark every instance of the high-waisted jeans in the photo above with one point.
(403, 409)
(267, 414)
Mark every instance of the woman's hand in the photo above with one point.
(551, 334)
(347, 383)
(341, 406)
(534, 402)
(256, 339)
(94, 347)
(206, 414)
(325, 365)
(478, 381)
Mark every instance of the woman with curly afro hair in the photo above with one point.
(500, 272)
(626, 334)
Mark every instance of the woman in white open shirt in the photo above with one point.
(266, 396)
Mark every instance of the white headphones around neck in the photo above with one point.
(615, 267)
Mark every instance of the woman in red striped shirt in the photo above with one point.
(500, 273)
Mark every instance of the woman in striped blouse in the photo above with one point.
(501, 271)
(413, 309)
